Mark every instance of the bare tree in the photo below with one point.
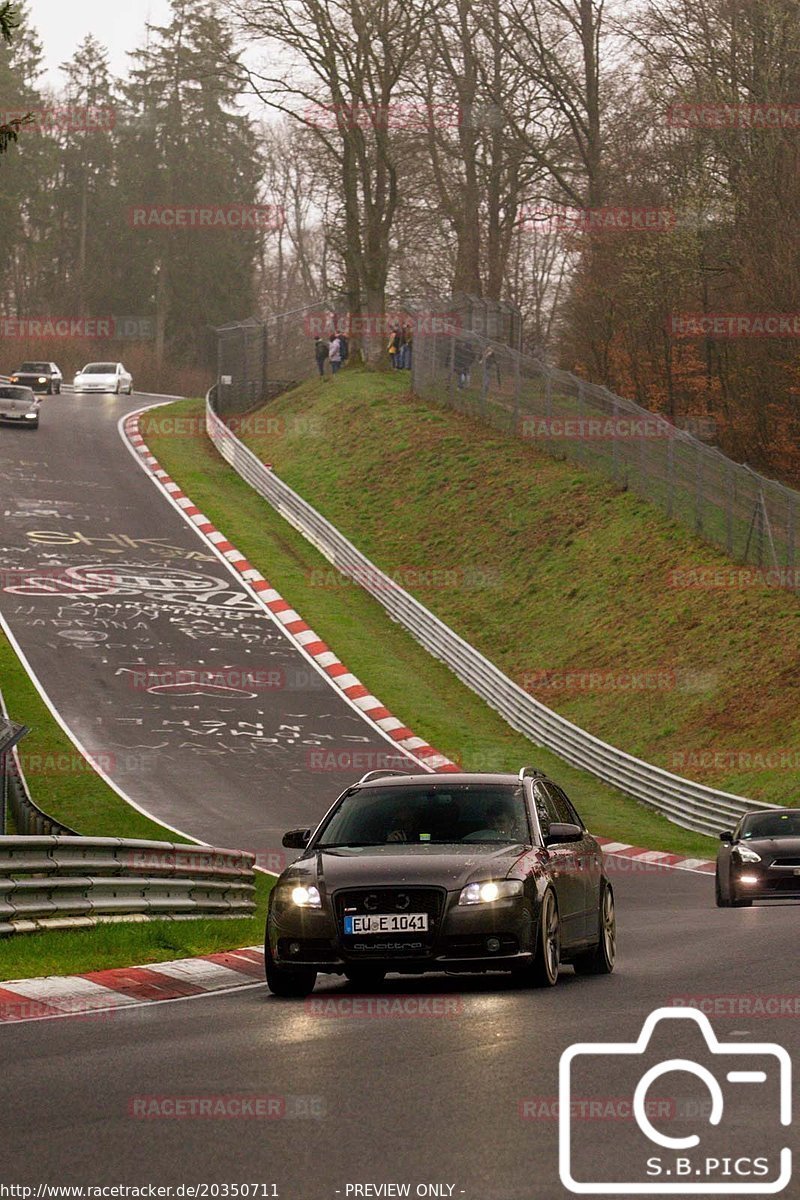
(341, 67)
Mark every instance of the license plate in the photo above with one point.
(387, 923)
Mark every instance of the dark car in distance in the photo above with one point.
(39, 377)
(759, 859)
(447, 872)
(19, 406)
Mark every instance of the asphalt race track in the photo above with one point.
(454, 1083)
(226, 762)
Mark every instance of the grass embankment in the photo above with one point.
(82, 800)
(415, 487)
(577, 573)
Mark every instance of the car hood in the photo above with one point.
(423, 865)
(96, 378)
(782, 847)
(18, 404)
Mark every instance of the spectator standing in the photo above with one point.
(408, 342)
(335, 353)
(394, 346)
(344, 345)
(463, 358)
(321, 354)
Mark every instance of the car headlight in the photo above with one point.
(746, 855)
(30, 416)
(42, 379)
(13, 378)
(305, 897)
(491, 890)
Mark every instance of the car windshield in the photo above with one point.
(468, 814)
(36, 368)
(100, 369)
(15, 393)
(772, 825)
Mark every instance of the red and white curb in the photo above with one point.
(641, 859)
(104, 992)
(307, 641)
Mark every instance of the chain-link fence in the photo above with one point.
(257, 359)
(753, 519)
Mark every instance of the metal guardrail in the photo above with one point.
(14, 796)
(690, 804)
(59, 882)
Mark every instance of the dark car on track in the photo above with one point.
(759, 859)
(39, 377)
(18, 405)
(450, 872)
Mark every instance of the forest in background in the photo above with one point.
(418, 147)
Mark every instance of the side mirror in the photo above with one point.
(296, 839)
(726, 836)
(563, 831)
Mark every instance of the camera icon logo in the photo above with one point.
(725, 1113)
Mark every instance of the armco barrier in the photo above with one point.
(27, 816)
(58, 882)
(692, 805)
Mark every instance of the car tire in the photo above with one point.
(289, 983)
(600, 960)
(116, 389)
(542, 970)
(365, 977)
(722, 901)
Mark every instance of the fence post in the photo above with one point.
(452, 372)
(698, 492)
(614, 432)
(791, 523)
(517, 393)
(264, 367)
(670, 474)
(731, 497)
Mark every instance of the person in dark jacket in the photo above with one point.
(321, 354)
(463, 358)
(344, 346)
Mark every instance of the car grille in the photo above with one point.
(356, 901)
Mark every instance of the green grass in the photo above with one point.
(417, 688)
(84, 802)
(576, 577)
(72, 951)
(79, 798)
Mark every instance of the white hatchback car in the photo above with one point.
(103, 377)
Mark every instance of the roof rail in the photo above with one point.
(380, 775)
(533, 772)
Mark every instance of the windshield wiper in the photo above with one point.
(344, 845)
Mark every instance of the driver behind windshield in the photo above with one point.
(501, 826)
